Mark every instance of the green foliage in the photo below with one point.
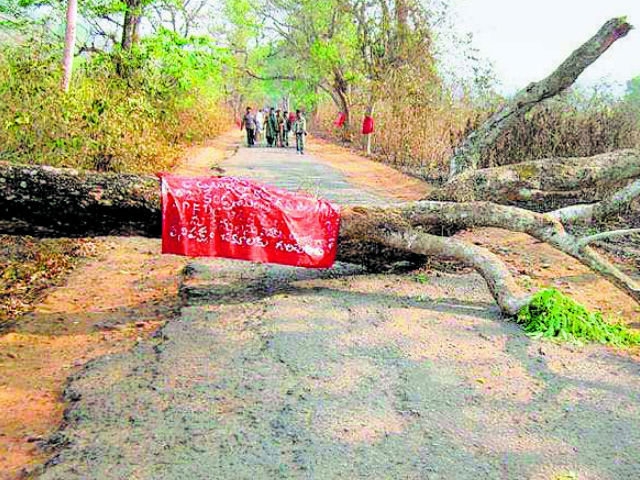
(422, 278)
(633, 93)
(137, 123)
(550, 314)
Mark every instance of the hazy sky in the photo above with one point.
(527, 39)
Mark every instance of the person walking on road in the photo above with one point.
(259, 126)
(289, 125)
(280, 128)
(300, 129)
(272, 128)
(249, 122)
(286, 128)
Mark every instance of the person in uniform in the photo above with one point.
(249, 123)
(280, 119)
(300, 130)
(272, 128)
(286, 129)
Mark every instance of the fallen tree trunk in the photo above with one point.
(46, 201)
(470, 153)
(546, 184)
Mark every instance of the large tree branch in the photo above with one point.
(502, 286)
(469, 155)
(609, 206)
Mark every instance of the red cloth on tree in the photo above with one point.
(238, 218)
(367, 125)
(340, 120)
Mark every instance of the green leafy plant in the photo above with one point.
(551, 314)
(422, 278)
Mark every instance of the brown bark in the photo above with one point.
(468, 156)
(546, 184)
(609, 206)
(131, 24)
(47, 201)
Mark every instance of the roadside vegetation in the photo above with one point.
(139, 122)
(419, 138)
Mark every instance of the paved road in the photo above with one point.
(284, 168)
(272, 372)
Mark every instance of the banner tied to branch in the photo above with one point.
(238, 218)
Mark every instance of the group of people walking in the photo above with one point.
(276, 125)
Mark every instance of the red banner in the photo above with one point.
(367, 125)
(340, 120)
(237, 218)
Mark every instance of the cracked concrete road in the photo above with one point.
(275, 373)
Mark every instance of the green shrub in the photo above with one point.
(108, 121)
(550, 314)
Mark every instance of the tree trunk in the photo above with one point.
(340, 90)
(47, 201)
(131, 24)
(402, 26)
(469, 155)
(69, 44)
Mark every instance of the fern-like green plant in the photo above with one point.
(551, 314)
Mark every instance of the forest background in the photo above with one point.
(150, 77)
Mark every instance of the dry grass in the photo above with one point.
(105, 122)
(419, 134)
(28, 266)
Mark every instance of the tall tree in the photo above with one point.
(131, 23)
(69, 43)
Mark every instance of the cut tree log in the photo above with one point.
(470, 153)
(46, 201)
